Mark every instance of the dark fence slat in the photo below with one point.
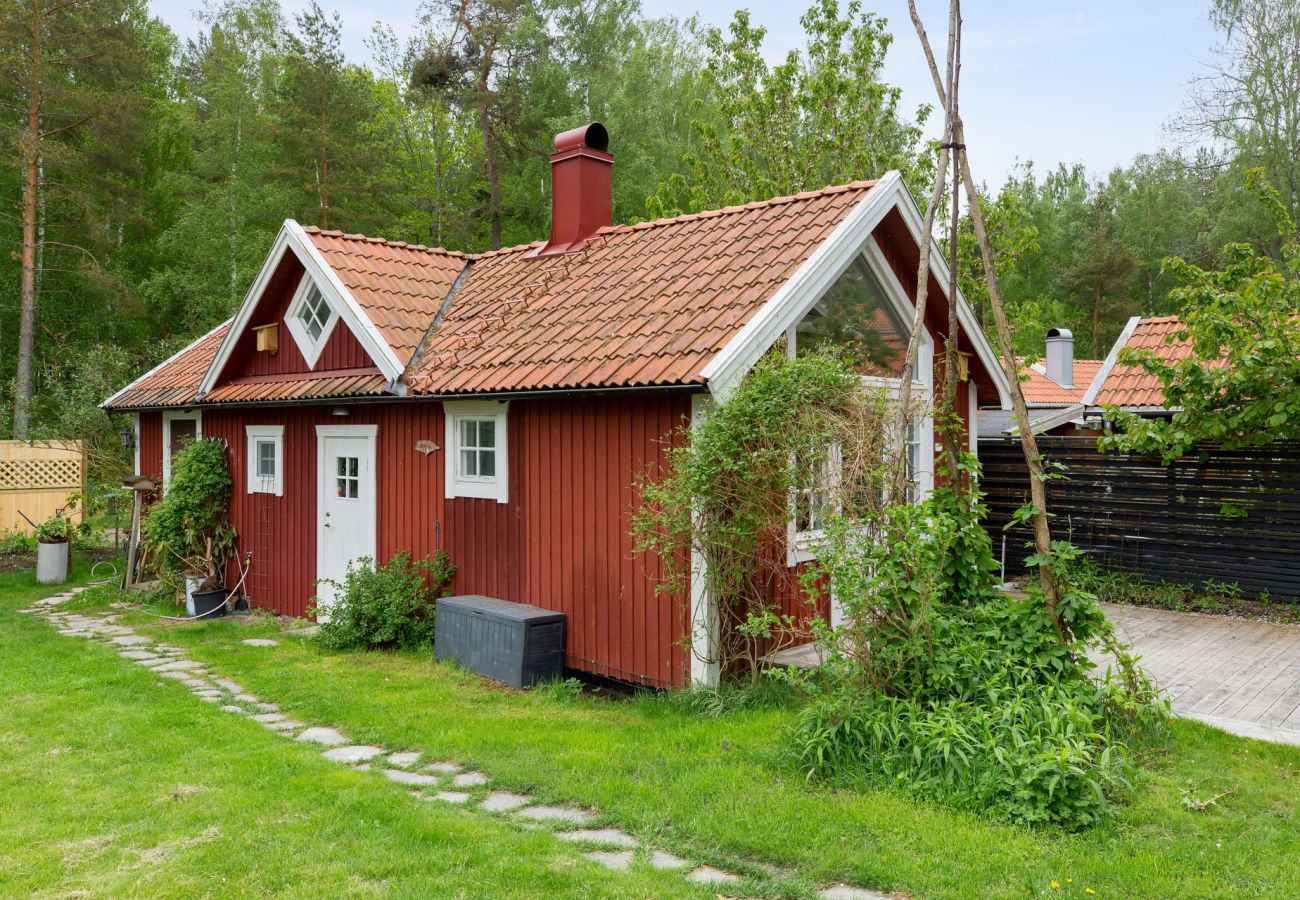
(1163, 522)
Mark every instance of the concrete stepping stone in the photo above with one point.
(616, 860)
(662, 859)
(401, 776)
(227, 685)
(177, 665)
(609, 836)
(259, 642)
(568, 815)
(404, 758)
(446, 768)
(330, 737)
(234, 709)
(153, 663)
(283, 725)
(138, 655)
(264, 718)
(450, 797)
(710, 875)
(849, 892)
(504, 801)
(197, 684)
(132, 640)
(209, 696)
(352, 754)
(243, 697)
(178, 674)
(168, 648)
(469, 779)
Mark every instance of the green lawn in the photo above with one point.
(150, 772)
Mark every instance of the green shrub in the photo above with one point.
(188, 531)
(949, 691)
(386, 607)
(17, 542)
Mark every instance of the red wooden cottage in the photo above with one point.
(379, 396)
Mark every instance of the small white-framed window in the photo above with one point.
(310, 319)
(178, 429)
(265, 459)
(475, 449)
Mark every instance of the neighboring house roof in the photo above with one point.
(1039, 390)
(174, 381)
(1132, 387)
(640, 305)
(685, 301)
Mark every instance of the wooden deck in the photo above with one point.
(1235, 674)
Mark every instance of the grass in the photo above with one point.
(718, 789)
(112, 783)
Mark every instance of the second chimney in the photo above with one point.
(581, 188)
(1060, 356)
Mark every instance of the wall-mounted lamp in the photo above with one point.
(127, 436)
(340, 411)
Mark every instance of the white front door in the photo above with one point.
(345, 509)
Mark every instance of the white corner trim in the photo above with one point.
(135, 424)
(254, 434)
(706, 668)
(293, 238)
(1098, 380)
(167, 418)
(175, 356)
(310, 349)
(455, 485)
(804, 288)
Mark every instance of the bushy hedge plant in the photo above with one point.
(390, 606)
(188, 531)
(944, 688)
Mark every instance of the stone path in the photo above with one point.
(438, 781)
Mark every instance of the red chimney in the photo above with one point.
(581, 188)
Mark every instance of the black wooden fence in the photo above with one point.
(1233, 516)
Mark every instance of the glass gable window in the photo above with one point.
(313, 313)
(856, 314)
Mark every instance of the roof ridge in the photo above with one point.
(354, 236)
(743, 207)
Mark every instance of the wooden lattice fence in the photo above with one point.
(36, 479)
(1229, 515)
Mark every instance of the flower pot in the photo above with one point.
(52, 562)
(210, 604)
(192, 583)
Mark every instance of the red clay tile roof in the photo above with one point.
(175, 382)
(640, 305)
(319, 385)
(1039, 390)
(400, 286)
(1130, 386)
(646, 304)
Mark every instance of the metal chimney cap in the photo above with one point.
(1059, 333)
(593, 137)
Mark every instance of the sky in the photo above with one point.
(1051, 81)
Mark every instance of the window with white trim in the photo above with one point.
(476, 449)
(310, 319)
(265, 459)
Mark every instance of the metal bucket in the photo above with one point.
(52, 563)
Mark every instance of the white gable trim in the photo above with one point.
(1098, 380)
(175, 356)
(292, 238)
(811, 281)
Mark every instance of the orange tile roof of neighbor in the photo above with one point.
(1131, 386)
(1039, 390)
(640, 305)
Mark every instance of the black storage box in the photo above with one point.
(511, 642)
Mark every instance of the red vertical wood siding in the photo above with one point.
(342, 350)
(562, 542)
(150, 442)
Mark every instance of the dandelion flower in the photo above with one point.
(1054, 884)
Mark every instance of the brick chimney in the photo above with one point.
(1060, 356)
(581, 188)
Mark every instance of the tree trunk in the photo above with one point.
(489, 149)
(31, 204)
(1096, 316)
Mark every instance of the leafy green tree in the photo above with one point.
(823, 116)
(1241, 385)
(1102, 273)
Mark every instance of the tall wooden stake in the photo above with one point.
(1037, 484)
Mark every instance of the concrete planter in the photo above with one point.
(52, 562)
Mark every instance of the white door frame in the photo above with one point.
(370, 433)
(167, 419)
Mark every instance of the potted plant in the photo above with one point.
(53, 538)
(187, 533)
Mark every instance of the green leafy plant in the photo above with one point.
(560, 690)
(188, 531)
(17, 542)
(390, 606)
(58, 528)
